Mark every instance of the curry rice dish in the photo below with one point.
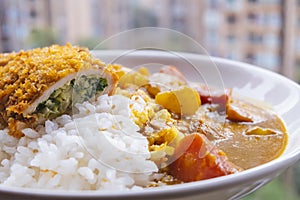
(69, 121)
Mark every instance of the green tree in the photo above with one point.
(90, 42)
(278, 189)
(41, 38)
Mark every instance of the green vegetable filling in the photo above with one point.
(75, 91)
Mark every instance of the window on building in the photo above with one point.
(252, 17)
(231, 19)
(268, 60)
(213, 4)
(233, 4)
(33, 13)
(252, 1)
(234, 55)
(254, 38)
(273, 1)
(231, 39)
(179, 24)
(271, 40)
(212, 37)
(273, 20)
(250, 57)
(211, 18)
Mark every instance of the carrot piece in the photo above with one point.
(197, 159)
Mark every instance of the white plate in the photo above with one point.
(245, 79)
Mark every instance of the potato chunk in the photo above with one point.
(184, 100)
(137, 78)
(259, 131)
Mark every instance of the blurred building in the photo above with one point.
(297, 26)
(247, 30)
(262, 32)
(68, 21)
(18, 18)
(289, 53)
(71, 19)
(76, 20)
(183, 16)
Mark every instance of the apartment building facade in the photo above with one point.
(261, 32)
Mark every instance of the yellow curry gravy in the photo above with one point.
(247, 143)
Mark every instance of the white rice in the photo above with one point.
(100, 148)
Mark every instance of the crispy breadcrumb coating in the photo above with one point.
(26, 75)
